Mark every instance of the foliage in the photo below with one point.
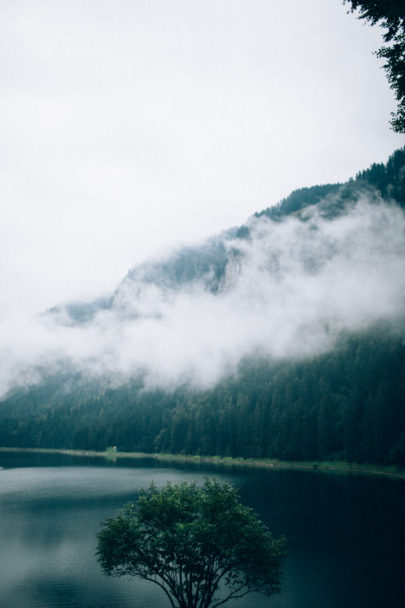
(388, 179)
(390, 14)
(297, 200)
(201, 546)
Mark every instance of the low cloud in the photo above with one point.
(289, 290)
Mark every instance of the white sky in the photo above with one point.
(129, 126)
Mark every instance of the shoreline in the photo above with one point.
(391, 471)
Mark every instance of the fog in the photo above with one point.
(289, 290)
(131, 126)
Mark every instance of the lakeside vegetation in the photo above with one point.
(226, 461)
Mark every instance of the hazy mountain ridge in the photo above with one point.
(208, 262)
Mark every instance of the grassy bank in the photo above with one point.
(225, 461)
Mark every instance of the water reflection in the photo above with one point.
(344, 534)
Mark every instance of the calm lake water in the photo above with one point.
(346, 534)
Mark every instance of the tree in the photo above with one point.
(390, 14)
(200, 545)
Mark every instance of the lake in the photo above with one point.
(345, 534)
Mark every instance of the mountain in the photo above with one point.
(209, 262)
(280, 338)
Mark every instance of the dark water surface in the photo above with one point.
(346, 534)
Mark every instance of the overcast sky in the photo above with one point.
(131, 126)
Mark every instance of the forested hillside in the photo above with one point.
(339, 395)
(346, 405)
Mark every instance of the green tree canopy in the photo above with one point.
(390, 14)
(200, 545)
